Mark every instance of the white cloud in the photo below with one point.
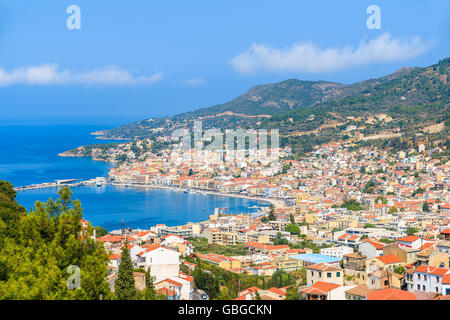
(308, 57)
(194, 82)
(50, 74)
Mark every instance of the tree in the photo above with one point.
(293, 228)
(150, 293)
(292, 219)
(191, 172)
(124, 286)
(399, 269)
(7, 189)
(100, 231)
(425, 207)
(411, 231)
(207, 282)
(392, 210)
(39, 246)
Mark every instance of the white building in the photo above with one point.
(163, 262)
(430, 279)
(336, 252)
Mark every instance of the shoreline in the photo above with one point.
(275, 202)
(205, 193)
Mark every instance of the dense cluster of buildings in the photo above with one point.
(369, 224)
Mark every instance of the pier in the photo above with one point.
(56, 183)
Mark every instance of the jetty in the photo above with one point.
(56, 183)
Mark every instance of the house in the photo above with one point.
(443, 246)
(163, 262)
(354, 261)
(324, 272)
(322, 291)
(382, 279)
(255, 247)
(358, 292)
(178, 243)
(265, 294)
(432, 257)
(383, 263)
(351, 240)
(110, 242)
(263, 269)
(412, 242)
(371, 248)
(336, 252)
(220, 261)
(430, 279)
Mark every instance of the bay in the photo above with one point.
(29, 155)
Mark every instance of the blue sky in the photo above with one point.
(137, 59)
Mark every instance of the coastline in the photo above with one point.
(201, 216)
(275, 202)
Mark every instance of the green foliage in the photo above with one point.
(425, 207)
(124, 285)
(369, 225)
(417, 191)
(279, 240)
(369, 187)
(411, 231)
(36, 249)
(6, 188)
(100, 231)
(150, 293)
(293, 228)
(399, 269)
(201, 245)
(352, 205)
(207, 282)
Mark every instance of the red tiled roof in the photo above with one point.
(320, 287)
(409, 239)
(390, 294)
(432, 270)
(390, 258)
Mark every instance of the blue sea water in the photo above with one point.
(108, 206)
(29, 155)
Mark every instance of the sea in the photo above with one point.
(29, 155)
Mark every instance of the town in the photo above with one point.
(342, 224)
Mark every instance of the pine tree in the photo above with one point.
(150, 292)
(124, 285)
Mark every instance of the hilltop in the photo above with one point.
(314, 112)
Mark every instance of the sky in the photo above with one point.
(131, 60)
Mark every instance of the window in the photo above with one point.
(423, 287)
(437, 279)
(437, 289)
(338, 274)
(425, 277)
(320, 274)
(418, 276)
(418, 287)
(329, 275)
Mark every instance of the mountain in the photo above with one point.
(260, 102)
(412, 101)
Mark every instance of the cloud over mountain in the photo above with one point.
(308, 57)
